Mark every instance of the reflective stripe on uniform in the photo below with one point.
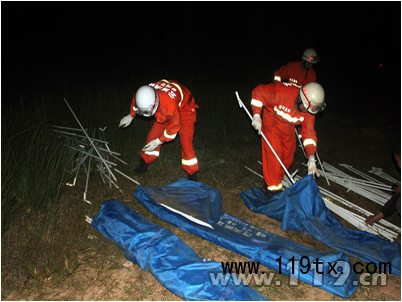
(178, 88)
(169, 136)
(277, 78)
(256, 103)
(152, 153)
(275, 188)
(189, 162)
(309, 141)
(287, 117)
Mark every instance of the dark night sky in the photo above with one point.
(352, 38)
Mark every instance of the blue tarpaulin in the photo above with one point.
(173, 263)
(301, 208)
(255, 243)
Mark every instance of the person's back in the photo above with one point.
(299, 73)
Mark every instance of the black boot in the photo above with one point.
(193, 177)
(142, 168)
(268, 193)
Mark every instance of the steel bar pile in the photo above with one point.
(379, 172)
(370, 188)
(383, 228)
(85, 150)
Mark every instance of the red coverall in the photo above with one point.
(279, 118)
(176, 114)
(293, 72)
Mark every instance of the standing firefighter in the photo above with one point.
(284, 106)
(174, 110)
(301, 72)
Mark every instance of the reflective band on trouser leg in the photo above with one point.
(169, 137)
(150, 156)
(275, 188)
(189, 161)
(152, 153)
(156, 131)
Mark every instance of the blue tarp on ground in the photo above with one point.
(173, 263)
(301, 208)
(255, 243)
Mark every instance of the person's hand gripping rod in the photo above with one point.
(263, 136)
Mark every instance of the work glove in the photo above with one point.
(152, 145)
(257, 122)
(126, 121)
(311, 167)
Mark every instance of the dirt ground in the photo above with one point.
(100, 272)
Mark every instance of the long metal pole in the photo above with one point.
(325, 174)
(263, 136)
(86, 134)
(300, 143)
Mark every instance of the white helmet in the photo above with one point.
(312, 95)
(310, 55)
(146, 100)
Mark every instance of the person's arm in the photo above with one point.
(388, 209)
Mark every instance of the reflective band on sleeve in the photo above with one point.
(277, 78)
(275, 188)
(189, 162)
(309, 141)
(152, 153)
(169, 136)
(256, 103)
(178, 88)
(287, 117)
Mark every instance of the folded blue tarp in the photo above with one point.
(255, 243)
(173, 263)
(301, 208)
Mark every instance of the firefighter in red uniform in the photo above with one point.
(301, 72)
(283, 106)
(175, 112)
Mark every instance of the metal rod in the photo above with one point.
(66, 128)
(254, 172)
(78, 135)
(300, 143)
(380, 173)
(92, 155)
(350, 168)
(323, 170)
(86, 184)
(121, 173)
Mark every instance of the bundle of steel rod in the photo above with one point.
(84, 149)
(379, 172)
(370, 188)
(383, 228)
